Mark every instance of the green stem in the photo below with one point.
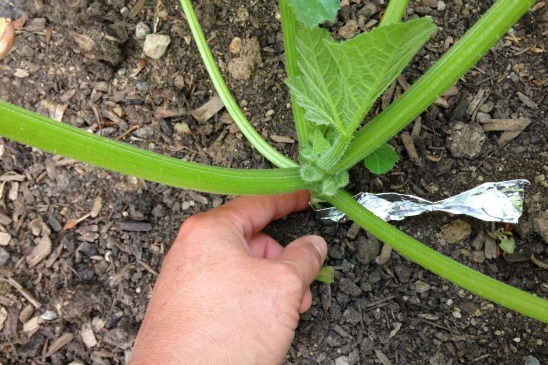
(438, 79)
(477, 283)
(224, 93)
(38, 131)
(394, 12)
(329, 160)
(289, 30)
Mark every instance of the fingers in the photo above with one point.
(250, 214)
(306, 302)
(263, 246)
(305, 256)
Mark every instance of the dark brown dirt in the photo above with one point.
(99, 275)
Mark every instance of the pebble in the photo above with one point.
(349, 29)
(431, 3)
(478, 256)
(347, 286)
(457, 314)
(5, 238)
(482, 117)
(531, 360)
(142, 86)
(4, 257)
(343, 360)
(352, 316)
(441, 6)
(456, 231)
(156, 45)
(368, 249)
(141, 30)
(144, 132)
(466, 140)
(402, 272)
(421, 287)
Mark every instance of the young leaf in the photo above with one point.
(382, 160)
(314, 12)
(339, 82)
(326, 275)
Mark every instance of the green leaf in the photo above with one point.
(326, 275)
(382, 160)
(339, 82)
(507, 242)
(314, 12)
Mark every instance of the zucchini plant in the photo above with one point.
(333, 85)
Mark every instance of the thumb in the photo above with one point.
(305, 255)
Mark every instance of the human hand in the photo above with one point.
(228, 293)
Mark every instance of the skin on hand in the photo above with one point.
(227, 293)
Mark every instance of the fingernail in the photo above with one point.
(319, 244)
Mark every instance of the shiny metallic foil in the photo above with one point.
(492, 202)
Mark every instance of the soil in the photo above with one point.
(82, 301)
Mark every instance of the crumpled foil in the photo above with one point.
(492, 202)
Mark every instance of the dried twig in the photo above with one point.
(28, 296)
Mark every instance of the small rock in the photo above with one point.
(120, 337)
(235, 45)
(368, 250)
(182, 128)
(352, 316)
(421, 287)
(482, 117)
(4, 257)
(142, 86)
(5, 238)
(466, 140)
(437, 359)
(430, 3)
(531, 360)
(241, 68)
(343, 360)
(349, 29)
(478, 256)
(402, 272)
(369, 9)
(456, 231)
(441, 6)
(347, 286)
(487, 107)
(156, 45)
(144, 132)
(541, 225)
(423, 10)
(457, 314)
(141, 30)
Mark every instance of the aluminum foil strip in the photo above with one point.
(492, 202)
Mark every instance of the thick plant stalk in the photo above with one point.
(289, 30)
(444, 73)
(441, 265)
(269, 152)
(394, 12)
(38, 131)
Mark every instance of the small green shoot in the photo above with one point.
(326, 275)
(506, 240)
(382, 160)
